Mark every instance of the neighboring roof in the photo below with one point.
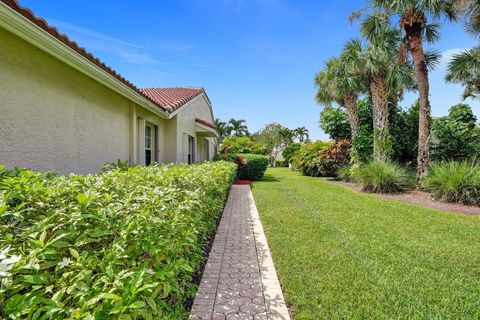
(172, 98)
(206, 123)
(168, 99)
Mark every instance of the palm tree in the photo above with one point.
(238, 128)
(222, 128)
(385, 74)
(337, 82)
(301, 133)
(464, 68)
(469, 10)
(286, 135)
(413, 20)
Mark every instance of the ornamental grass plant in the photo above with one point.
(455, 181)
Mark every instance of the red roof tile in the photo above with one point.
(168, 99)
(172, 98)
(206, 123)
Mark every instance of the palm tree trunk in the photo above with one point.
(381, 136)
(350, 103)
(414, 37)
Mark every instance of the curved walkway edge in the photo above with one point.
(239, 280)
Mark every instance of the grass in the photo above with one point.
(341, 254)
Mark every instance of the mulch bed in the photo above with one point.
(242, 182)
(420, 198)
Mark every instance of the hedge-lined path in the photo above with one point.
(239, 280)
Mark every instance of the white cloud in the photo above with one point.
(447, 56)
(90, 33)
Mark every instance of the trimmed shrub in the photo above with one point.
(254, 167)
(383, 177)
(455, 182)
(123, 244)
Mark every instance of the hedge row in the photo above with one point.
(254, 166)
(123, 244)
(250, 166)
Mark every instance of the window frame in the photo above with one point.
(152, 141)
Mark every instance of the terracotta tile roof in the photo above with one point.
(28, 14)
(172, 98)
(206, 123)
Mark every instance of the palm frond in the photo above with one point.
(432, 32)
(432, 58)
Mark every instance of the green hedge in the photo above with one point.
(123, 244)
(254, 167)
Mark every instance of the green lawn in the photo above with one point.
(341, 254)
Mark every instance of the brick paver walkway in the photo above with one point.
(239, 281)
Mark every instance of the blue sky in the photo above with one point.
(255, 58)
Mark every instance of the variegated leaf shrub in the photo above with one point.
(123, 244)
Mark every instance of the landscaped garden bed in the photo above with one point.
(123, 244)
(341, 254)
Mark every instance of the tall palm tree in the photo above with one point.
(385, 74)
(238, 128)
(337, 82)
(464, 67)
(301, 133)
(413, 20)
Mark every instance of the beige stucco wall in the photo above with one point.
(55, 118)
(199, 107)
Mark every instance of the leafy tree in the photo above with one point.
(457, 134)
(413, 20)
(334, 122)
(290, 150)
(232, 144)
(237, 128)
(404, 125)
(273, 137)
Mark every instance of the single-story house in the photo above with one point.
(63, 110)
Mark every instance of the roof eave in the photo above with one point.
(15, 23)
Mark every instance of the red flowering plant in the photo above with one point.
(241, 162)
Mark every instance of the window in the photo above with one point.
(191, 150)
(149, 144)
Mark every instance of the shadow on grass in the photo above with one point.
(270, 178)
